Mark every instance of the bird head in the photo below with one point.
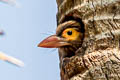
(68, 38)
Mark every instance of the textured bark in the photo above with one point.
(99, 56)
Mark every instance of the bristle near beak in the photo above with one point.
(53, 42)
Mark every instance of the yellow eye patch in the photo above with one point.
(71, 34)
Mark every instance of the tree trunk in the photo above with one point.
(99, 56)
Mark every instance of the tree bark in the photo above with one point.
(99, 56)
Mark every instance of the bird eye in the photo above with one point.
(69, 33)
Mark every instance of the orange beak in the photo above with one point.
(53, 42)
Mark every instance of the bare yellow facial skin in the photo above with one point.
(71, 34)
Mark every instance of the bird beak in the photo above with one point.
(53, 42)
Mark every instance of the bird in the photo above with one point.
(68, 38)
